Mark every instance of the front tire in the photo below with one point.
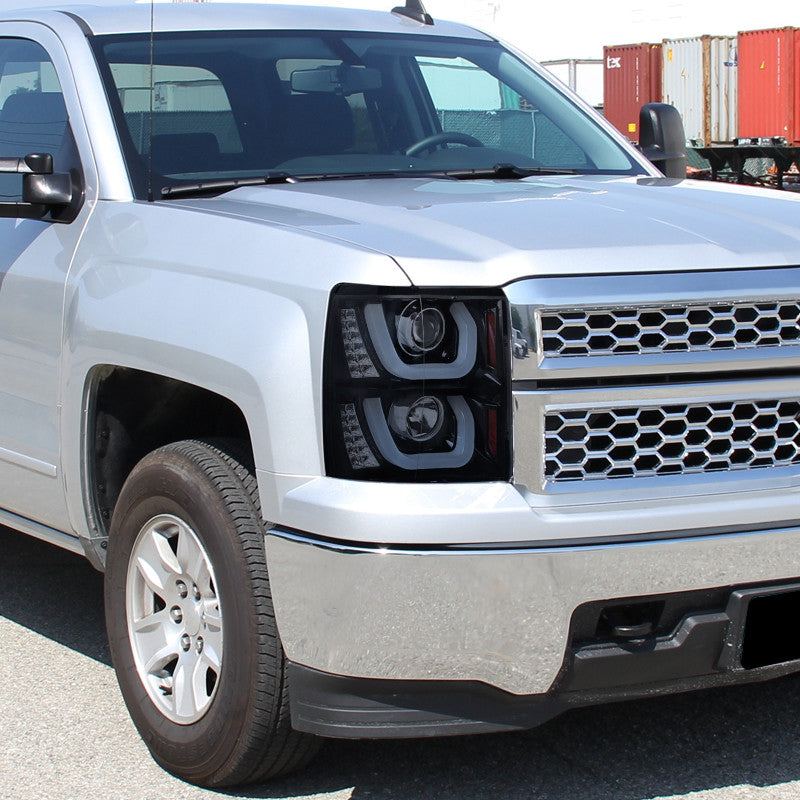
(190, 620)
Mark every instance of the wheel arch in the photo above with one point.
(129, 412)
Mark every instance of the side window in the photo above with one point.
(33, 118)
(470, 100)
(193, 127)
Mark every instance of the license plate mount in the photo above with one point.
(765, 627)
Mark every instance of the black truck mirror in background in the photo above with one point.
(43, 190)
(662, 139)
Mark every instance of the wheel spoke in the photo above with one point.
(186, 704)
(212, 649)
(159, 659)
(151, 623)
(211, 616)
(152, 642)
(190, 557)
(202, 580)
(156, 562)
(199, 680)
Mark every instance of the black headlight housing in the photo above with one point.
(417, 385)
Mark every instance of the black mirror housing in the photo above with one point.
(43, 190)
(47, 190)
(662, 139)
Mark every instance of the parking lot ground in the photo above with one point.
(65, 733)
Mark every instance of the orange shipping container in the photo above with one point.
(631, 78)
(769, 87)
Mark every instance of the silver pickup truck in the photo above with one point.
(259, 272)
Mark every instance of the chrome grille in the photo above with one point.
(681, 328)
(675, 439)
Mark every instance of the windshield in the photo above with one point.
(241, 104)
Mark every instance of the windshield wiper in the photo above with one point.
(228, 184)
(498, 171)
(225, 185)
(506, 172)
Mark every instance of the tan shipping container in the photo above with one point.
(699, 78)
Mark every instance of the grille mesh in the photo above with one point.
(632, 442)
(665, 329)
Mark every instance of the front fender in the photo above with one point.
(233, 306)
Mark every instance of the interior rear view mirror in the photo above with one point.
(344, 79)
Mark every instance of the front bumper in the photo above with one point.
(492, 615)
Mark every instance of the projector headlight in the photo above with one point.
(417, 386)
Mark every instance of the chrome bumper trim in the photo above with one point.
(499, 617)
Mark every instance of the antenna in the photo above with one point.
(414, 10)
(150, 115)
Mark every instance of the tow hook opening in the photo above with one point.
(633, 622)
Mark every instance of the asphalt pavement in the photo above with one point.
(65, 733)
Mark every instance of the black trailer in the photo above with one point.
(729, 162)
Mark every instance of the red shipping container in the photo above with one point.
(631, 78)
(796, 84)
(769, 104)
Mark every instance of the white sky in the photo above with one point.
(579, 28)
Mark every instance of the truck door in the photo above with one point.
(35, 256)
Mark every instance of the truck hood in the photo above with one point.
(487, 233)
